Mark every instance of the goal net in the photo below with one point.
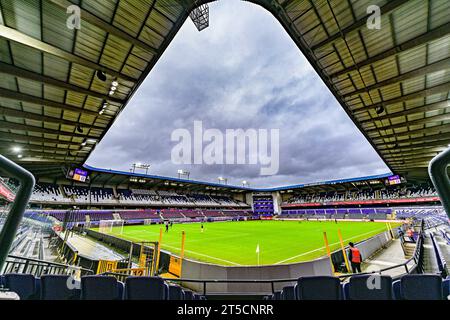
(111, 226)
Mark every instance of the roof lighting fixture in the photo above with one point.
(19, 156)
(16, 149)
(379, 109)
(101, 75)
(115, 83)
(79, 129)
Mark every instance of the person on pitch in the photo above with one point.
(354, 255)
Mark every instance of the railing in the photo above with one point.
(442, 264)
(412, 265)
(16, 264)
(437, 169)
(26, 180)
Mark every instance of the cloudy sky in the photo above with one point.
(243, 72)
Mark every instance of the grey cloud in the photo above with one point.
(242, 72)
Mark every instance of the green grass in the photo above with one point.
(234, 243)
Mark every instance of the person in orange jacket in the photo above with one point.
(355, 258)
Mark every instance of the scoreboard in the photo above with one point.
(78, 174)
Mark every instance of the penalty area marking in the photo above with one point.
(318, 249)
(205, 255)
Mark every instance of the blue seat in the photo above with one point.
(188, 295)
(421, 287)
(198, 296)
(358, 288)
(446, 288)
(145, 288)
(22, 284)
(175, 293)
(276, 295)
(397, 290)
(101, 288)
(318, 288)
(58, 287)
(288, 293)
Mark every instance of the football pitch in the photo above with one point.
(235, 243)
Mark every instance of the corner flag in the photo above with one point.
(257, 252)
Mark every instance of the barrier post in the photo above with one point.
(159, 248)
(130, 257)
(437, 170)
(347, 265)
(328, 251)
(183, 240)
(388, 227)
(11, 224)
(392, 231)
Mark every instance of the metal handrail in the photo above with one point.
(437, 169)
(36, 267)
(442, 264)
(18, 207)
(417, 258)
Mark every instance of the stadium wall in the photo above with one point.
(199, 270)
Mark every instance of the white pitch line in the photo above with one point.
(205, 255)
(318, 249)
(197, 253)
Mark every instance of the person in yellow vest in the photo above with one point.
(355, 258)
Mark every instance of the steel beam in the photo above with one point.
(29, 75)
(431, 35)
(14, 113)
(14, 95)
(419, 139)
(441, 117)
(414, 95)
(16, 36)
(25, 138)
(386, 9)
(25, 127)
(423, 108)
(436, 66)
(441, 128)
(107, 26)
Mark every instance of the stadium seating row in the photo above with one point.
(53, 193)
(62, 287)
(382, 194)
(364, 287)
(367, 287)
(132, 215)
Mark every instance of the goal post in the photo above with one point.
(111, 226)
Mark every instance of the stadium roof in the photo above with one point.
(393, 82)
(100, 176)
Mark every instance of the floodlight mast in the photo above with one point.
(139, 165)
(200, 16)
(182, 173)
